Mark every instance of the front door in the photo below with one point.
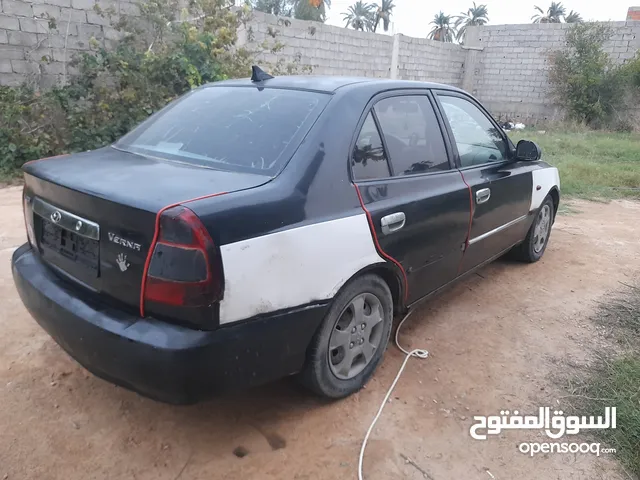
(500, 188)
(418, 201)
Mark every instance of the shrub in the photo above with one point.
(31, 126)
(586, 82)
(632, 71)
(117, 88)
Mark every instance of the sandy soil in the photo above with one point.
(497, 340)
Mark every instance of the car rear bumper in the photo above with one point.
(167, 362)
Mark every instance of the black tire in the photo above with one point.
(531, 250)
(318, 374)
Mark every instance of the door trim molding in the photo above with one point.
(497, 230)
(382, 253)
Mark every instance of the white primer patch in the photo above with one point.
(294, 267)
(546, 178)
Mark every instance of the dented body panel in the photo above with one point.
(288, 221)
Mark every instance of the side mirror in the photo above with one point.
(528, 151)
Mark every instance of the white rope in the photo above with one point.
(418, 352)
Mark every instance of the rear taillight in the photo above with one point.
(184, 277)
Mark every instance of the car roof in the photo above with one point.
(329, 84)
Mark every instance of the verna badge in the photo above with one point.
(124, 242)
(121, 260)
(56, 216)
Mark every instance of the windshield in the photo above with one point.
(229, 128)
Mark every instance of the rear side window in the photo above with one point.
(368, 160)
(412, 135)
(229, 128)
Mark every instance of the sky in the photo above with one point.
(412, 17)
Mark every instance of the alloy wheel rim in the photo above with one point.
(356, 336)
(541, 230)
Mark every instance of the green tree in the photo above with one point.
(315, 10)
(383, 12)
(476, 15)
(359, 16)
(632, 72)
(584, 79)
(442, 30)
(554, 14)
(573, 17)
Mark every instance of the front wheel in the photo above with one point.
(536, 241)
(352, 339)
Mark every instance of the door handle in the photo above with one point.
(392, 223)
(483, 195)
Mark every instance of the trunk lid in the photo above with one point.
(94, 213)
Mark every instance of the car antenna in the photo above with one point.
(258, 75)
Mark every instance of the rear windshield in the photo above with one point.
(229, 128)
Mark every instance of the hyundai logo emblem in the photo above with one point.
(56, 216)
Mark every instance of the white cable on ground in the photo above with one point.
(418, 352)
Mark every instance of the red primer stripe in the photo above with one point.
(466, 243)
(156, 233)
(379, 248)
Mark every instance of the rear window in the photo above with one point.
(229, 128)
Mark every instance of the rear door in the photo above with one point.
(500, 187)
(418, 202)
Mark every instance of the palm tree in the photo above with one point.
(442, 31)
(573, 17)
(383, 13)
(553, 15)
(476, 15)
(359, 16)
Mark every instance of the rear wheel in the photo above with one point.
(352, 339)
(534, 245)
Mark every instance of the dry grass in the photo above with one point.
(615, 380)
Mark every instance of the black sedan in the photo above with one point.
(255, 229)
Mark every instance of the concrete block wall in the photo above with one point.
(511, 75)
(329, 50)
(422, 59)
(39, 38)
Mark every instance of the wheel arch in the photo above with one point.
(390, 275)
(554, 193)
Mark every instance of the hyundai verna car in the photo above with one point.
(255, 229)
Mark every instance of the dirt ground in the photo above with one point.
(497, 340)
